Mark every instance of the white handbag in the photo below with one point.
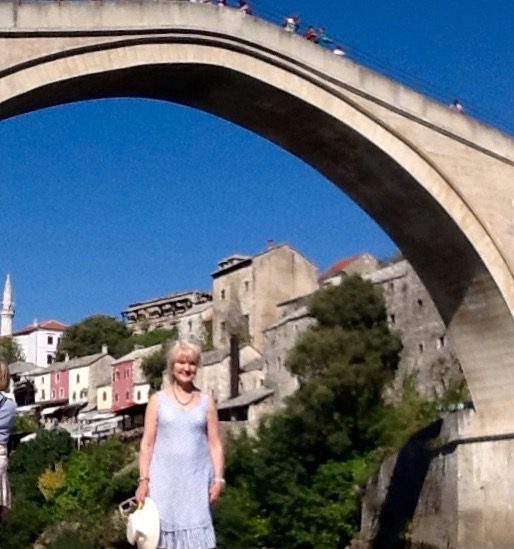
(143, 524)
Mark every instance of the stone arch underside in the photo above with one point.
(393, 181)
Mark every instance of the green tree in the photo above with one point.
(88, 477)
(153, 367)
(300, 478)
(10, 351)
(29, 515)
(154, 337)
(87, 337)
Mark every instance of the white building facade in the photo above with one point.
(39, 341)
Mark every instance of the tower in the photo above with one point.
(7, 313)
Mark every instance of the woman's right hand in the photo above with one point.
(142, 491)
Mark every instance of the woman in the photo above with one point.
(181, 456)
(7, 415)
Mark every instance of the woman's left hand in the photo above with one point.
(215, 491)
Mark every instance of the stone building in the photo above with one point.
(427, 357)
(279, 339)
(246, 291)
(214, 375)
(189, 312)
(361, 264)
(241, 394)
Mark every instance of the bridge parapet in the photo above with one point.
(123, 18)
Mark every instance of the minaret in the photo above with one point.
(7, 313)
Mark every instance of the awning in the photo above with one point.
(52, 409)
(95, 415)
(27, 408)
(246, 399)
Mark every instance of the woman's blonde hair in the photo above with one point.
(183, 346)
(5, 376)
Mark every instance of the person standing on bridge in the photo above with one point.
(322, 38)
(181, 455)
(456, 106)
(291, 23)
(7, 415)
(244, 7)
(310, 34)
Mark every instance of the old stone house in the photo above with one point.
(361, 264)
(246, 291)
(427, 357)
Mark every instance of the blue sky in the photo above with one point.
(107, 202)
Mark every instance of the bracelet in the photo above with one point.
(142, 479)
(219, 479)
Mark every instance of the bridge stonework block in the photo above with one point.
(467, 499)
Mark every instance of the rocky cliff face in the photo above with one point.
(392, 501)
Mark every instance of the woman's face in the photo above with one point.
(184, 368)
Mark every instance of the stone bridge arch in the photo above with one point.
(441, 184)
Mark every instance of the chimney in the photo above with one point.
(270, 244)
(105, 349)
(67, 357)
(35, 323)
(234, 366)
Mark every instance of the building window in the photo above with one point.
(279, 361)
(222, 294)
(61, 392)
(421, 347)
(420, 303)
(139, 395)
(441, 342)
(104, 396)
(117, 375)
(190, 325)
(392, 319)
(78, 378)
(53, 394)
(49, 359)
(116, 397)
(42, 394)
(58, 377)
(222, 327)
(127, 395)
(74, 397)
(50, 340)
(247, 285)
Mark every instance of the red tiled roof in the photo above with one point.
(53, 325)
(339, 266)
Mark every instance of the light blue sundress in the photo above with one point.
(180, 474)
